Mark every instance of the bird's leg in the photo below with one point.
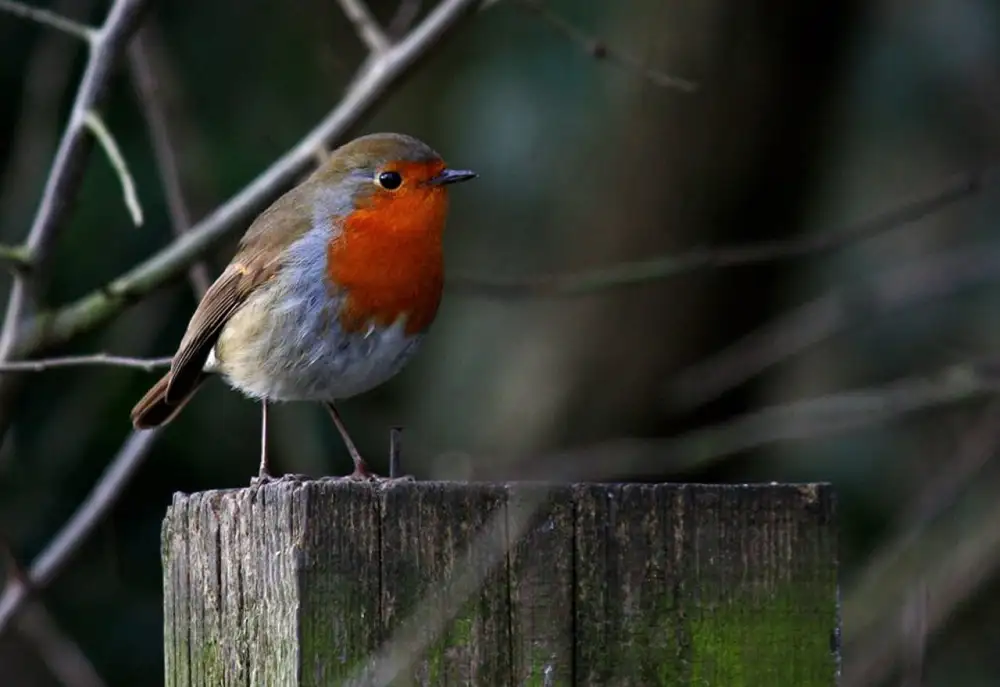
(263, 475)
(361, 470)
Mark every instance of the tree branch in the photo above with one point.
(57, 554)
(50, 20)
(658, 269)
(792, 333)
(366, 25)
(15, 257)
(377, 75)
(600, 50)
(107, 141)
(104, 359)
(157, 92)
(806, 419)
(67, 167)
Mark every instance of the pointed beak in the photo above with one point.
(451, 176)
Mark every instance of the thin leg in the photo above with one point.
(264, 474)
(361, 470)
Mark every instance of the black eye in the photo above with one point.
(390, 180)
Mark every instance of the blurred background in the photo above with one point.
(862, 357)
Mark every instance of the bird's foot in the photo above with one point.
(266, 478)
(362, 473)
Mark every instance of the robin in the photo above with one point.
(330, 292)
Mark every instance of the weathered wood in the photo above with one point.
(429, 583)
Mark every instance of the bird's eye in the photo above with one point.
(390, 180)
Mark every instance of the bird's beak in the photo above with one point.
(451, 176)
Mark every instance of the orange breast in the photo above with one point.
(388, 259)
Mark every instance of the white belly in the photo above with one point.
(299, 352)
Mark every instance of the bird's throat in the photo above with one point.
(389, 264)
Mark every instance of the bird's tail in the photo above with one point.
(152, 410)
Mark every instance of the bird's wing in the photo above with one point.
(221, 300)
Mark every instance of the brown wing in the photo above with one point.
(255, 262)
(221, 300)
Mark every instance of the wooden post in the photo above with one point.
(431, 583)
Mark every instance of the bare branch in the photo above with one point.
(806, 419)
(51, 561)
(658, 269)
(67, 167)
(104, 359)
(15, 257)
(405, 15)
(366, 25)
(63, 657)
(600, 50)
(49, 19)
(156, 89)
(34, 137)
(377, 75)
(107, 141)
(796, 331)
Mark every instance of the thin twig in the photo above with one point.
(58, 552)
(117, 160)
(600, 50)
(147, 364)
(405, 15)
(50, 19)
(61, 655)
(15, 257)
(63, 182)
(366, 25)
(155, 86)
(794, 332)
(659, 269)
(36, 133)
(806, 419)
(955, 558)
(376, 77)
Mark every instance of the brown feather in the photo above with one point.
(153, 410)
(256, 261)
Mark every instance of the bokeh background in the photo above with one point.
(859, 361)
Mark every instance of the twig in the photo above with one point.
(62, 656)
(64, 180)
(376, 77)
(790, 334)
(15, 257)
(38, 124)
(155, 87)
(800, 420)
(107, 141)
(51, 561)
(147, 364)
(50, 19)
(366, 25)
(954, 559)
(401, 22)
(658, 269)
(600, 50)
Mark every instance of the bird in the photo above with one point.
(329, 293)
